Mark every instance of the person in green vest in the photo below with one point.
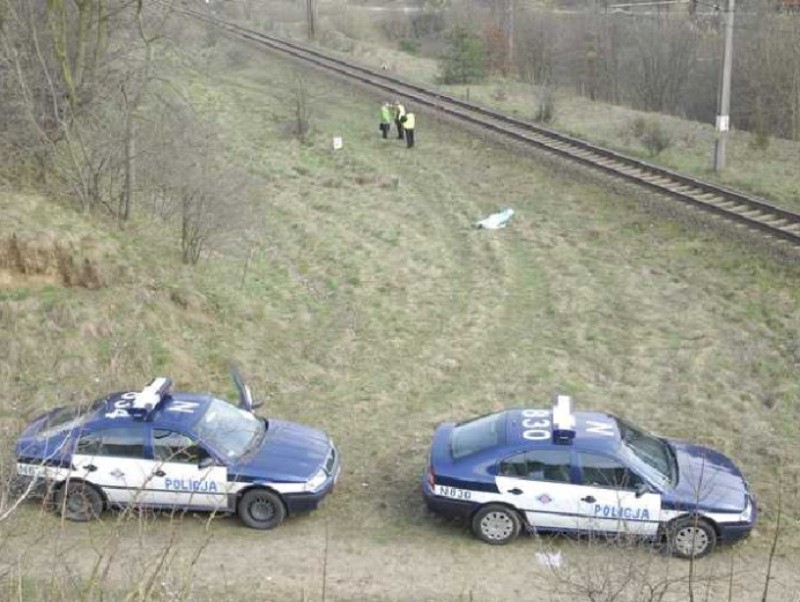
(387, 116)
(399, 114)
(408, 126)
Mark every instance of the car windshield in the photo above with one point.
(476, 435)
(650, 454)
(230, 430)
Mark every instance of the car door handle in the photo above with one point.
(589, 499)
(160, 473)
(516, 491)
(90, 467)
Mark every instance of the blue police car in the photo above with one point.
(584, 472)
(162, 449)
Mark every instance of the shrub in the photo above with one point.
(546, 111)
(651, 134)
(638, 127)
(465, 61)
(409, 46)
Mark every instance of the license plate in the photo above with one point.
(27, 470)
(453, 492)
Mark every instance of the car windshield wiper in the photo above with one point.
(256, 441)
(673, 464)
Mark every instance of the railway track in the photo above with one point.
(754, 213)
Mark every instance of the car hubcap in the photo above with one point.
(261, 510)
(691, 541)
(497, 526)
(77, 504)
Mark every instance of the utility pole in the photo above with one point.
(724, 106)
(311, 19)
(510, 31)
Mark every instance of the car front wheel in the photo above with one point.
(261, 509)
(691, 538)
(79, 502)
(496, 525)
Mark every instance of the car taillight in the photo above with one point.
(431, 477)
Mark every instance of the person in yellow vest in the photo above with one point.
(387, 116)
(408, 126)
(399, 114)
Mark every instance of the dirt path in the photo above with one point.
(202, 559)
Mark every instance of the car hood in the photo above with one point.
(289, 452)
(708, 480)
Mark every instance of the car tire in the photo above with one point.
(261, 509)
(496, 524)
(79, 501)
(691, 537)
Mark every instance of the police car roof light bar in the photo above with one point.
(149, 397)
(563, 420)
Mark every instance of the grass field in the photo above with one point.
(770, 172)
(372, 309)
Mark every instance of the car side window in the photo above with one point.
(123, 442)
(119, 443)
(551, 465)
(602, 471)
(171, 446)
(89, 444)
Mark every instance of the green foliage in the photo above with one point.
(651, 134)
(465, 61)
(410, 46)
(638, 127)
(546, 111)
(761, 139)
(14, 294)
(760, 126)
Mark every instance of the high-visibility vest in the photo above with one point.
(386, 114)
(401, 110)
(409, 122)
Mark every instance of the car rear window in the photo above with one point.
(477, 435)
(62, 419)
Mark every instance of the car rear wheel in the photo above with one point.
(496, 525)
(79, 501)
(261, 509)
(691, 538)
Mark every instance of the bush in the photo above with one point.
(546, 111)
(638, 127)
(465, 61)
(410, 46)
(651, 134)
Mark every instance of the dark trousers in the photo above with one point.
(409, 138)
(385, 127)
(399, 125)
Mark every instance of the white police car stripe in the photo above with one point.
(180, 485)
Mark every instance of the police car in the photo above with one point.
(584, 472)
(188, 451)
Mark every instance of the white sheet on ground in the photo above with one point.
(496, 220)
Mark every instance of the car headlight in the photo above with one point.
(747, 514)
(317, 481)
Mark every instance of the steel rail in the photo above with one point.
(753, 212)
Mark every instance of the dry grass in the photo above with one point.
(770, 173)
(374, 312)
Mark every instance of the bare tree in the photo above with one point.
(67, 60)
(536, 49)
(662, 65)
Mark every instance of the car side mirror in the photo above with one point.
(642, 488)
(206, 462)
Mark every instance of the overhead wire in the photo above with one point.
(739, 26)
